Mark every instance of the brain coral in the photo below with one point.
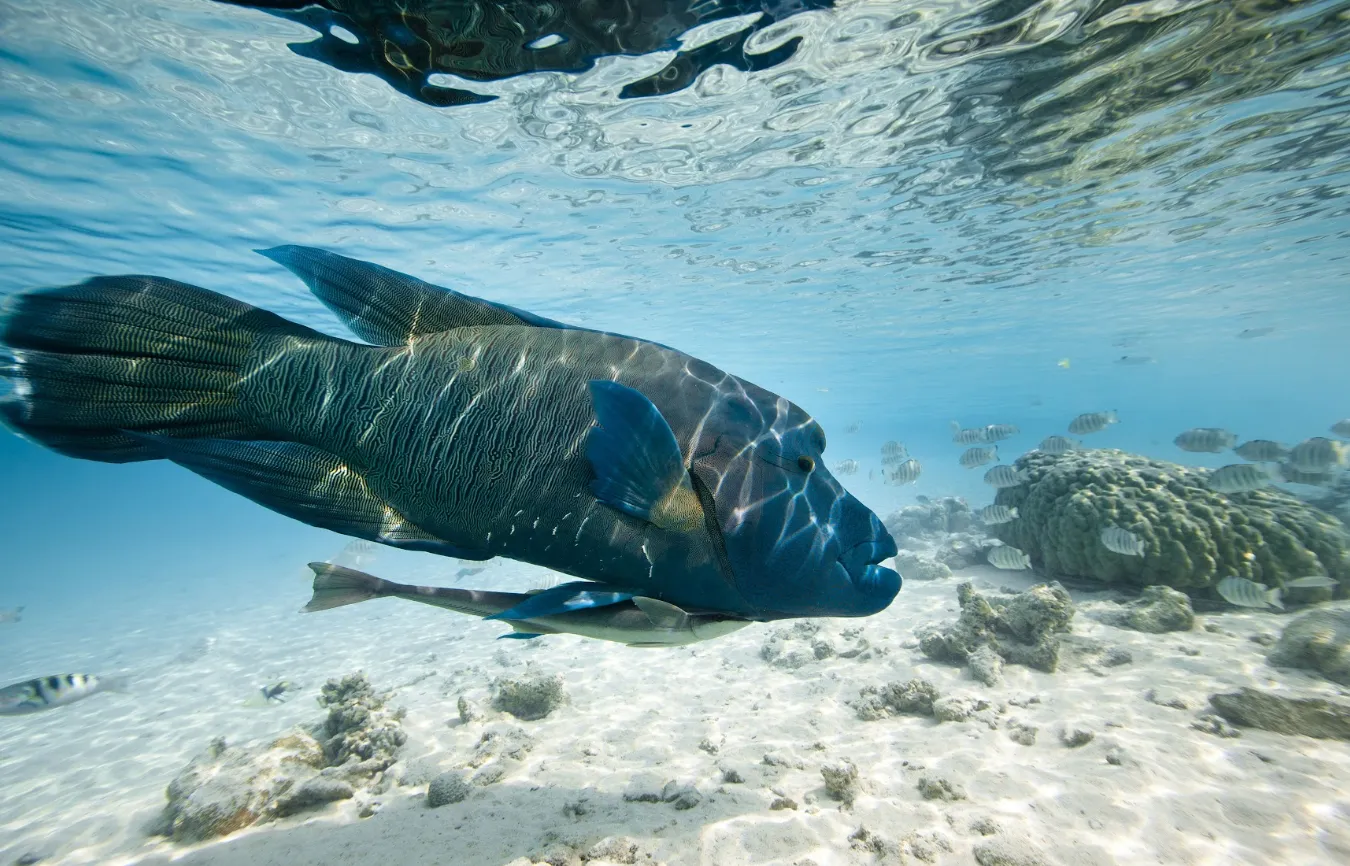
(1193, 536)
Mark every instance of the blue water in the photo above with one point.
(890, 233)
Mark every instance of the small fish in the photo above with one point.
(1315, 581)
(1253, 333)
(853, 428)
(1062, 363)
(357, 554)
(1318, 454)
(1057, 445)
(11, 614)
(1212, 440)
(1342, 428)
(634, 620)
(969, 435)
(972, 457)
(1248, 593)
(847, 467)
(894, 449)
(1133, 360)
(1092, 422)
(996, 514)
(906, 473)
(1009, 558)
(1122, 541)
(999, 432)
(1237, 478)
(922, 500)
(1261, 451)
(1294, 475)
(277, 693)
(1004, 475)
(44, 693)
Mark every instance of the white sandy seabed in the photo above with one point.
(79, 784)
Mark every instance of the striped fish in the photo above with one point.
(847, 467)
(460, 427)
(978, 456)
(1092, 422)
(906, 473)
(1057, 445)
(45, 693)
(1212, 440)
(1261, 451)
(993, 515)
(1318, 454)
(1009, 558)
(1248, 593)
(1004, 475)
(894, 450)
(1237, 478)
(1122, 541)
(969, 435)
(999, 432)
(1292, 474)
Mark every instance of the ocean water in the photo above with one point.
(987, 212)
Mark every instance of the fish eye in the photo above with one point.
(806, 464)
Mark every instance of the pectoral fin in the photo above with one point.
(639, 469)
(662, 614)
(564, 598)
(303, 483)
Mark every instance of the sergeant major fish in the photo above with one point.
(1248, 593)
(1092, 422)
(993, 515)
(972, 457)
(1237, 478)
(999, 432)
(1057, 445)
(1211, 440)
(469, 429)
(1119, 540)
(1004, 475)
(847, 467)
(1009, 558)
(906, 473)
(636, 621)
(970, 435)
(45, 693)
(1318, 454)
(1261, 451)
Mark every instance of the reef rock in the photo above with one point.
(912, 566)
(1159, 609)
(1022, 629)
(1192, 536)
(808, 641)
(841, 781)
(942, 516)
(1309, 717)
(227, 788)
(529, 698)
(914, 697)
(1319, 641)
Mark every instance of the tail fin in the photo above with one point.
(336, 586)
(1273, 597)
(131, 353)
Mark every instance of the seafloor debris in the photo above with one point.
(841, 781)
(227, 788)
(914, 697)
(1192, 535)
(529, 698)
(1022, 629)
(808, 641)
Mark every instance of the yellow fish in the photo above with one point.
(1063, 362)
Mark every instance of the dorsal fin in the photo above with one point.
(388, 308)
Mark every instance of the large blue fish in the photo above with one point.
(468, 428)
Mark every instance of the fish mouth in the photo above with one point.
(862, 563)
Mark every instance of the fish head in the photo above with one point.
(795, 542)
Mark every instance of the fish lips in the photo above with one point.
(862, 564)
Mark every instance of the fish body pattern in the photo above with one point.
(1211, 440)
(1008, 558)
(1261, 451)
(847, 467)
(1057, 445)
(997, 514)
(637, 621)
(45, 693)
(906, 472)
(978, 456)
(969, 435)
(1248, 593)
(999, 432)
(468, 429)
(1237, 478)
(1318, 454)
(1119, 540)
(894, 449)
(1004, 475)
(1092, 422)
(1292, 474)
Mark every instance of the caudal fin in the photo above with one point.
(141, 354)
(336, 586)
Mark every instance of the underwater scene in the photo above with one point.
(717, 432)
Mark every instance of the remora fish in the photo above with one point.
(44, 693)
(470, 429)
(637, 621)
